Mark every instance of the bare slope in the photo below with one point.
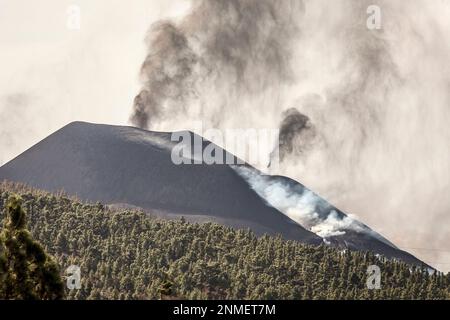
(125, 165)
(132, 167)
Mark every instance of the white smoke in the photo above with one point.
(334, 226)
(300, 206)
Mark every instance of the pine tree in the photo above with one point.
(166, 287)
(28, 272)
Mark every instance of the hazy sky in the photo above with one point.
(52, 75)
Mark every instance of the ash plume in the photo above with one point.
(167, 74)
(221, 52)
(376, 142)
(380, 121)
(296, 133)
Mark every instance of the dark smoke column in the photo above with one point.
(236, 48)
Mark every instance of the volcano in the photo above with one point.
(130, 167)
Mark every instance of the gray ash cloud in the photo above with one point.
(236, 47)
(296, 133)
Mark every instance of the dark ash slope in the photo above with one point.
(127, 166)
(130, 166)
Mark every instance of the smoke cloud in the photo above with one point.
(221, 54)
(363, 114)
(301, 205)
(296, 134)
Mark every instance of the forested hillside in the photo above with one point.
(130, 255)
